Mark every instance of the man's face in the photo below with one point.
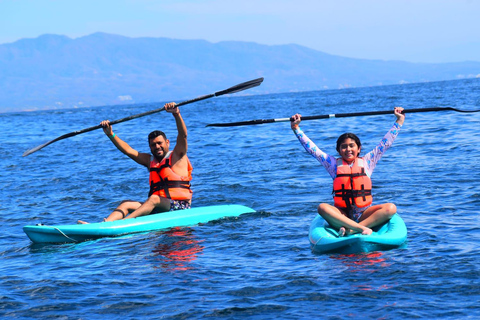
(159, 147)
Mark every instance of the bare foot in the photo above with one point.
(367, 231)
(349, 232)
(341, 232)
(81, 222)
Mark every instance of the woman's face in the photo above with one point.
(349, 150)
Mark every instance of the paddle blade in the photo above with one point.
(30, 151)
(240, 87)
(65, 136)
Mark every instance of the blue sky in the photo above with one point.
(411, 30)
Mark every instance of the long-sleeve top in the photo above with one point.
(330, 162)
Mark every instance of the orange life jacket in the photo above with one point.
(352, 185)
(164, 182)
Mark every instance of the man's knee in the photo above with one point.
(129, 205)
(156, 200)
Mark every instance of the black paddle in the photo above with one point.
(338, 115)
(237, 88)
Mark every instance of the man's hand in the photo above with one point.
(171, 107)
(107, 128)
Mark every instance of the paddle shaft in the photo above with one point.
(236, 88)
(338, 115)
(71, 134)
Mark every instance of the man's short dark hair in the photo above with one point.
(155, 134)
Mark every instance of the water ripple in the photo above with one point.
(258, 265)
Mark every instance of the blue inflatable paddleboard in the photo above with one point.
(165, 220)
(324, 239)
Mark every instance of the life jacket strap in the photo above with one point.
(165, 165)
(351, 194)
(166, 184)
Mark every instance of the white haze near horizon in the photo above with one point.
(409, 30)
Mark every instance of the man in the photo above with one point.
(170, 172)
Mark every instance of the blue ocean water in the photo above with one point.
(259, 265)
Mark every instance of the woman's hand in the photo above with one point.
(295, 121)
(400, 116)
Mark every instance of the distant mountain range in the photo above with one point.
(54, 71)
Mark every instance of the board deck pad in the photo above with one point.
(159, 221)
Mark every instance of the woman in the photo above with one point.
(352, 211)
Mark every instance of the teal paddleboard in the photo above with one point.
(165, 220)
(324, 239)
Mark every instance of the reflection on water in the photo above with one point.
(363, 261)
(262, 265)
(367, 264)
(177, 249)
